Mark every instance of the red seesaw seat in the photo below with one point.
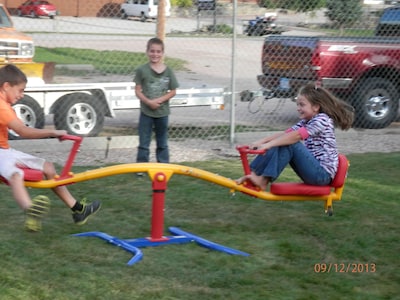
(301, 191)
(29, 175)
(36, 175)
(32, 175)
(297, 188)
(326, 193)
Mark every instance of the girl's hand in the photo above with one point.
(264, 147)
(255, 146)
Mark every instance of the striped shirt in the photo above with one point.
(319, 138)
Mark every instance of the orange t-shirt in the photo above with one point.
(7, 114)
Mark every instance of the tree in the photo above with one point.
(343, 12)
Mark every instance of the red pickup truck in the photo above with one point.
(364, 71)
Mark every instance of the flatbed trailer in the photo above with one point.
(81, 108)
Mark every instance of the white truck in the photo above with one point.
(80, 109)
(15, 47)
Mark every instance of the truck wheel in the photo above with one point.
(376, 102)
(30, 113)
(124, 15)
(80, 114)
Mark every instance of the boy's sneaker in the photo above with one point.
(39, 208)
(81, 217)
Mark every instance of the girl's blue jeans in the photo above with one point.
(146, 125)
(306, 166)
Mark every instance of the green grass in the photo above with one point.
(351, 32)
(285, 239)
(113, 62)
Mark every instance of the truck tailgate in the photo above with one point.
(287, 62)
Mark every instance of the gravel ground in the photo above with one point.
(93, 151)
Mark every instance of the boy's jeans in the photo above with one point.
(306, 166)
(146, 125)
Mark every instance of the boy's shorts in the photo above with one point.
(11, 160)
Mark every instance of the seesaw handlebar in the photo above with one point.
(70, 138)
(243, 151)
(247, 150)
(66, 171)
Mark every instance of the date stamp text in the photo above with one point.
(344, 268)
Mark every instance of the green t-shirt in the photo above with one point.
(155, 85)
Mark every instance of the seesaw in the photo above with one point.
(160, 174)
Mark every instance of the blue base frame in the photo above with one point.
(179, 237)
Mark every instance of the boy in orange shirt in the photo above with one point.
(12, 85)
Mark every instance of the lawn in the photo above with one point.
(291, 244)
(106, 62)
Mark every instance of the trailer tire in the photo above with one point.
(80, 114)
(124, 15)
(30, 113)
(376, 102)
(142, 17)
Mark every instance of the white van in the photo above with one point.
(144, 9)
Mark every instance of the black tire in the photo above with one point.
(80, 114)
(124, 15)
(376, 103)
(30, 113)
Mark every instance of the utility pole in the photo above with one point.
(161, 20)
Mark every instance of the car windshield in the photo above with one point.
(5, 22)
(391, 16)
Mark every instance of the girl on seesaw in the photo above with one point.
(309, 146)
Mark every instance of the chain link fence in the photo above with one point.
(260, 53)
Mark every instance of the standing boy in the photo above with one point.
(12, 85)
(155, 85)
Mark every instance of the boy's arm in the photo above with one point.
(33, 133)
(153, 103)
(139, 94)
(167, 96)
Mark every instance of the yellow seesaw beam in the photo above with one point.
(168, 170)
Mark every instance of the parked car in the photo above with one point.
(143, 9)
(37, 9)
